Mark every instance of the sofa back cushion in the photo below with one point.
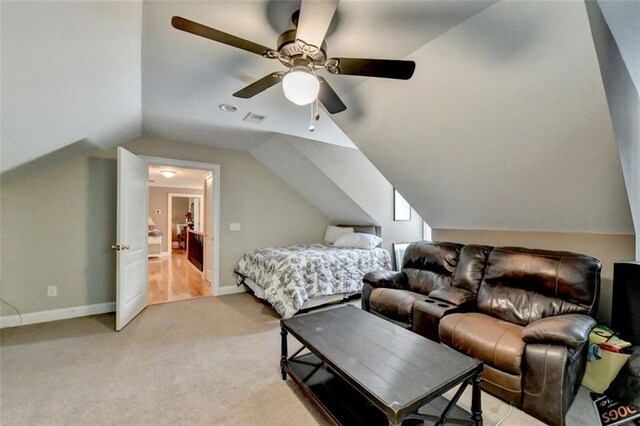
(429, 265)
(522, 285)
(471, 267)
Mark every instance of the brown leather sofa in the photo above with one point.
(525, 313)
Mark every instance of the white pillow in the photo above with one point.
(358, 240)
(333, 232)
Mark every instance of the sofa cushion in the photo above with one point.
(524, 285)
(393, 303)
(471, 267)
(497, 343)
(455, 296)
(429, 265)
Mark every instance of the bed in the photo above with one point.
(305, 276)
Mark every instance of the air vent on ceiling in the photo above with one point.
(254, 118)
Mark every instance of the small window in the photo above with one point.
(401, 207)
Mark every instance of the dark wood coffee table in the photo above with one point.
(359, 369)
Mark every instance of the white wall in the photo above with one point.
(71, 72)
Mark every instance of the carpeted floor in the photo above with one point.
(207, 361)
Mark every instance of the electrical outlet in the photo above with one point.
(52, 291)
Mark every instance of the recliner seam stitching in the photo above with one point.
(544, 380)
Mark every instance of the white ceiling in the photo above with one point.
(504, 125)
(70, 75)
(184, 178)
(186, 77)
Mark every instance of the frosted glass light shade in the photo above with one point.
(300, 87)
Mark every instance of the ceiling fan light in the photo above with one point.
(300, 86)
(168, 173)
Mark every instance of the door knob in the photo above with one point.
(125, 247)
(116, 247)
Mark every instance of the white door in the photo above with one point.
(131, 245)
(208, 227)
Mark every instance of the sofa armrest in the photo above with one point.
(386, 279)
(571, 330)
(453, 295)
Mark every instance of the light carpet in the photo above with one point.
(213, 360)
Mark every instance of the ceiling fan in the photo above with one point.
(303, 52)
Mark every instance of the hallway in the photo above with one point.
(174, 278)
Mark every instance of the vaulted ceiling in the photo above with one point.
(504, 125)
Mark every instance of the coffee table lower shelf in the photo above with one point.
(342, 404)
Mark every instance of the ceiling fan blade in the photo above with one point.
(385, 68)
(219, 36)
(314, 21)
(259, 86)
(329, 98)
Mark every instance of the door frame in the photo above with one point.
(170, 197)
(215, 220)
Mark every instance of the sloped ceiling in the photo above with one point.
(623, 20)
(340, 182)
(504, 125)
(312, 183)
(186, 77)
(622, 94)
(71, 74)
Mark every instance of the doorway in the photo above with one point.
(182, 228)
(132, 230)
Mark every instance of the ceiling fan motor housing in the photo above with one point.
(289, 49)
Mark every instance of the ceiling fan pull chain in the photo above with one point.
(317, 114)
(311, 126)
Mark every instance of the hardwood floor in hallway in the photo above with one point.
(174, 278)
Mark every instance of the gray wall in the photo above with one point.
(269, 210)
(57, 229)
(159, 199)
(608, 248)
(58, 225)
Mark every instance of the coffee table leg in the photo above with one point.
(476, 402)
(284, 355)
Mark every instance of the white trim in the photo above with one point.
(161, 254)
(215, 168)
(223, 291)
(57, 314)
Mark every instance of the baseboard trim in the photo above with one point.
(57, 314)
(161, 254)
(223, 291)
